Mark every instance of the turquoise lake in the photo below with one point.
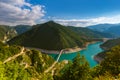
(89, 52)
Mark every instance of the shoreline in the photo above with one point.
(67, 51)
(98, 59)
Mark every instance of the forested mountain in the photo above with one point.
(50, 36)
(89, 33)
(110, 43)
(6, 33)
(107, 28)
(22, 28)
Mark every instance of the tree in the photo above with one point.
(111, 63)
(77, 70)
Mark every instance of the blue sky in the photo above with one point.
(79, 13)
(79, 8)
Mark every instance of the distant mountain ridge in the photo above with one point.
(90, 33)
(107, 28)
(100, 27)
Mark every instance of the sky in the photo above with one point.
(79, 13)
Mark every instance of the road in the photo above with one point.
(15, 56)
(51, 67)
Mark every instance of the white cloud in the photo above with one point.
(14, 12)
(88, 22)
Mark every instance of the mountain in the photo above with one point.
(6, 33)
(110, 43)
(19, 63)
(108, 46)
(50, 36)
(107, 28)
(100, 27)
(113, 51)
(88, 33)
(115, 30)
(22, 28)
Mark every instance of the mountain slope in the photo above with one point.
(50, 36)
(100, 27)
(6, 33)
(90, 33)
(107, 28)
(114, 29)
(27, 65)
(19, 63)
(22, 28)
(110, 60)
(110, 43)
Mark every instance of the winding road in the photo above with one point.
(51, 67)
(15, 56)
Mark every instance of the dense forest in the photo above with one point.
(50, 36)
(19, 63)
(54, 36)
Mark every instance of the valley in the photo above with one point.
(51, 48)
(59, 39)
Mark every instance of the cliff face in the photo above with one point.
(6, 33)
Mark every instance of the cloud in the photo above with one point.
(15, 12)
(88, 22)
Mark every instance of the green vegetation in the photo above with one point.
(6, 33)
(50, 36)
(89, 33)
(28, 66)
(77, 70)
(19, 63)
(32, 64)
(111, 62)
(110, 43)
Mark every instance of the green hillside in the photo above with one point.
(110, 43)
(111, 60)
(89, 33)
(50, 36)
(27, 66)
(19, 63)
(6, 31)
(108, 46)
(22, 28)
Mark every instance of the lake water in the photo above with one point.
(89, 52)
